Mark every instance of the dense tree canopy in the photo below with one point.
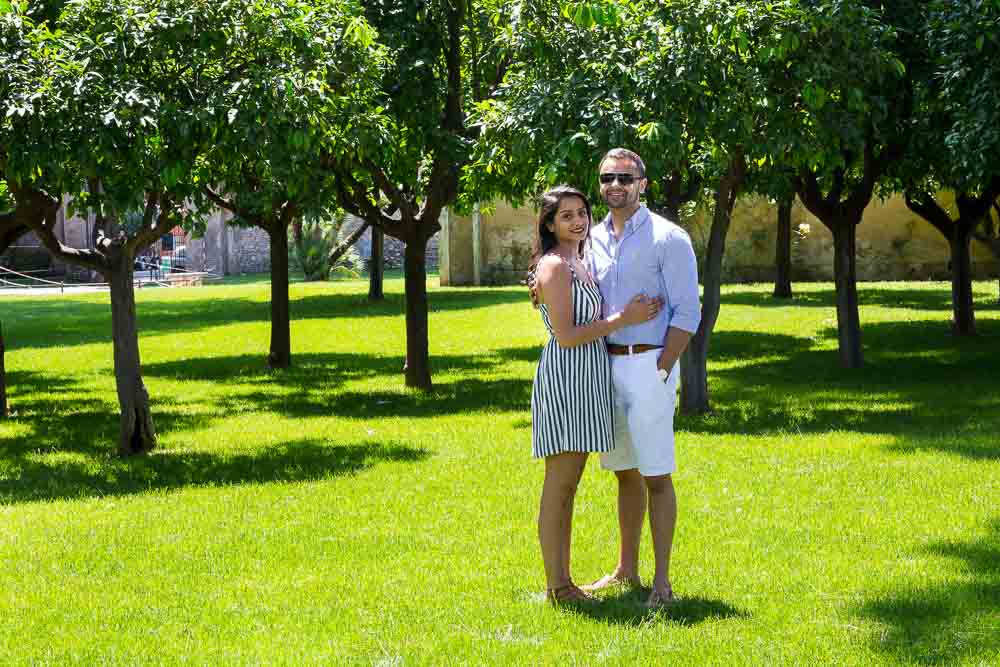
(681, 82)
(294, 90)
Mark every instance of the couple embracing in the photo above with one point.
(620, 300)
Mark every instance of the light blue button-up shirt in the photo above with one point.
(653, 257)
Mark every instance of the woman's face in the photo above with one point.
(571, 222)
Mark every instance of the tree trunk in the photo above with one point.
(281, 346)
(418, 372)
(783, 251)
(845, 233)
(694, 361)
(3, 378)
(376, 267)
(963, 314)
(137, 434)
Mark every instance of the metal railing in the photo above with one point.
(155, 269)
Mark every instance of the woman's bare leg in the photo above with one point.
(555, 514)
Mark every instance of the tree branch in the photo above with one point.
(972, 209)
(443, 186)
(11, 230)
(833, 199)
(150, 232)
(389, 189)
(346, 244)
(807, 188)
(873, 168)
(40, 211)
(924, 205)
(227, 204)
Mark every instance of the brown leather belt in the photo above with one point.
(631, 349)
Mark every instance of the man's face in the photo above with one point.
(615, 193)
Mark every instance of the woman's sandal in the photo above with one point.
(567, 594)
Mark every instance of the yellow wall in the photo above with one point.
(893, 244)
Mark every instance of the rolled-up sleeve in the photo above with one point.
(680, 272)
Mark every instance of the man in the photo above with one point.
(635, 251)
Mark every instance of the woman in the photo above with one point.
(571, 400)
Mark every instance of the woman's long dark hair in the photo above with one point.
(548, 204)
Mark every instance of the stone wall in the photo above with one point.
(393, 249)
(893, 244)
(506, 239)
(229, 250)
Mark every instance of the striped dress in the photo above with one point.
(571, 400)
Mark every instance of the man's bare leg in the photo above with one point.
(662, 519)
(631, 514)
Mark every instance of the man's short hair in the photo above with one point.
(625, 154)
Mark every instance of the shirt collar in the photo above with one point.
(637, 220)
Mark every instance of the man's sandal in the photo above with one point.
(568, 593)
(659, 600)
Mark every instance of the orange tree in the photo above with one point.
(841, 97)
(956, 135)
(122, 107)
(440, 63)
(296, 90)
(679, 82)
(86, 116)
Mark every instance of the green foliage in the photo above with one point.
(963, 40)
(310, 254)
(838, 80)
(680, 82)
(296, 89)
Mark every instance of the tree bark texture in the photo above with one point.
(959, 232)
(963, 321)
(418, 372)
(783, 251)
(376, 267)
(694, 361)
(3, 378)
(845, 234)
(280, 355)
(137, 433)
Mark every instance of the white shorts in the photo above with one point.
(644, 415)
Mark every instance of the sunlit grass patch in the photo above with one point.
(327, 514)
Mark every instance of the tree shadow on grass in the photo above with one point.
(930, 390)
(63, 447)
(627, 607)
(945, 623)
(308, 383)
(40, 477)
(938, 299)
(49, 322)
(315, 369)
(468, 396)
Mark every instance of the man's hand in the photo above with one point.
(677, 340)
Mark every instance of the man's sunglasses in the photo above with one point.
(622, 177)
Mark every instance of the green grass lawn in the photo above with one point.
(328, 515)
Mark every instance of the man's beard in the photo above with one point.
(624, 200)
